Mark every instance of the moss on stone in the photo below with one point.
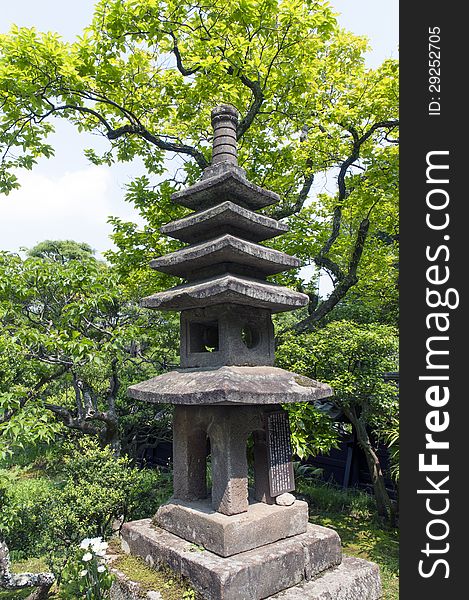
(162, 580)
(304, 381)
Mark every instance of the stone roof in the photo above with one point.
(225, 249)
(230, 385)
(224, 263)
(226, 217)
(224, 289)
(229, 184)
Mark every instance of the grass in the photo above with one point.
(352, 514)
(30, 565)
(17, 595)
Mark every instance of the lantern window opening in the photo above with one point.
(203, 336)
(250, 336)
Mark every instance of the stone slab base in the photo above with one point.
(354, 579)
(250, 575)
(262, 524)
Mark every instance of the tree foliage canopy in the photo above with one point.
(61, 250)
(145, 74)
(71, 338)
(353, 358)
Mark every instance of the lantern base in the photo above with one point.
(224, 535)
(305, 566)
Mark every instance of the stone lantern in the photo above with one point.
(226, 393)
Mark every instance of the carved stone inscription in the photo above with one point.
(279, 451)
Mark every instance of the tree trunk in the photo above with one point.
(383, 501)
(89, 420)
(110, 437)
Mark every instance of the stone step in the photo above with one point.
(250, 575)
(226, 217)
(225, 249)
(353, 579)
(229, 183)
(227, 289)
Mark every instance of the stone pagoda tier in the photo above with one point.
(257, 541)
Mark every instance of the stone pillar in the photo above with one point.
(261, 469)
(189, 454)
(225, 122)
(229, 429)
(229, 468)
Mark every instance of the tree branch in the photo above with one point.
(45, 379)
(258, 99)
(134, 128)
(347, 281)
(177, 54)
(324, 262)
(114, 385)
(172, 147)
(66, 417)
(344, 281)
(348, 162)
(289, 210)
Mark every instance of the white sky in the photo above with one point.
(68, 198)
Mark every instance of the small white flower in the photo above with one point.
(87, 557)
(96, 540)
(100, 548)
(84, 573)
(101, 569)
(85, 543)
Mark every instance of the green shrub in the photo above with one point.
(92, 495)
(118, 489)
(100, 493)
(25, 503)
(152, 488)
